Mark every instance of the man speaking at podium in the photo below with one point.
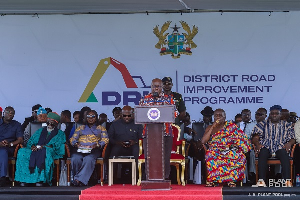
(157, 97)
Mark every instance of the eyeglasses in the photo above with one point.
(51, 124)
(34, 111)
(126, 115)
(91, 116)
(259, 114)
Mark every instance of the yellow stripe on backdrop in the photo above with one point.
(97, 75)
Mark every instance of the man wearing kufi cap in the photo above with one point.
(42, 116)
(35, 161)
(273, 137)
(179, 103)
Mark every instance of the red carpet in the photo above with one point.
(134, 192)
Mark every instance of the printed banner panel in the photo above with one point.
(230, 60)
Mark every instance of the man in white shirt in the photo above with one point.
(247, 126)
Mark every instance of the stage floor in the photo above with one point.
(127, 191)
(190, 191)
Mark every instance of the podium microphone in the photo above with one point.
(155, 95)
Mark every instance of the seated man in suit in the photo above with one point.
(273, 137)
(124, 136)
(10, 136)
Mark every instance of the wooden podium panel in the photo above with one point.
(155, 152)
(155, 117)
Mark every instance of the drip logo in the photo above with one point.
(128, 96)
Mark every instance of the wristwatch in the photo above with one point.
(11, 144)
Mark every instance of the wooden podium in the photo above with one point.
(155, 117)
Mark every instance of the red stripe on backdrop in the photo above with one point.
(125, 73)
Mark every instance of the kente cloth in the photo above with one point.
(274, 136)
(225, 157)
(37, 158)
(162, 99)
(45, 175)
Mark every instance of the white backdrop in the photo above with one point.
(50, 59)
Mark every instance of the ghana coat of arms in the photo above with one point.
(175, 43)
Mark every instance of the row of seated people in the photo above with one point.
(89, 139)
(124, 137)
(237, 147)
(273, 139)
(76, 141)
(35, 160)
(35, 163)
(287, 134)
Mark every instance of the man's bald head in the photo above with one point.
(156, 79)
(128, 108)
(156, 85)
(127, 114)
